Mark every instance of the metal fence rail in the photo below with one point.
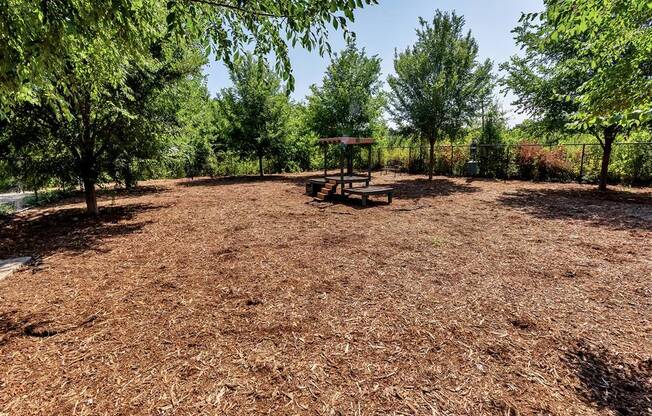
(631, 162)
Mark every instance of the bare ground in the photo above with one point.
(240, 296)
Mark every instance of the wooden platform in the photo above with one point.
(349, 179)
(371, 190)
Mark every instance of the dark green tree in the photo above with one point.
(39, 37)
(491, 152)
(438, 81)
(257, 110)
(349, 101)
(100, 128)
(587, 67)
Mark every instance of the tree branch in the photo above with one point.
(239, 9)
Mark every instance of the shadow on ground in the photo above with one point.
(135, 192)
(612, 384)
(613, 209)
(237, 180)
(38, 234)
(421, 188)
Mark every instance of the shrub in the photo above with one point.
(553, 165)
(6, 210)
(536, 163)
(527, 158)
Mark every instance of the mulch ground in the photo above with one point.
(243, 297)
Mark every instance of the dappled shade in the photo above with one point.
(422, 188)
(611, 383)
(613, 209)
(69, 230)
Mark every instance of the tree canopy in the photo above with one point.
(41, 38)
(257, 109)
(587, 66)
(99, 128)
(349, 102)
(438, 80)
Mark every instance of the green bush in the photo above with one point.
(6, 210)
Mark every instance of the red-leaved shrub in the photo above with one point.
(536, 163)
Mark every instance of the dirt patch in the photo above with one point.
(241, 296)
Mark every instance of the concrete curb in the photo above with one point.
(7, 267)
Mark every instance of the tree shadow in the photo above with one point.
(614, 209)
(422, 188)
(41, 233)
(610, 383)
(235, 180)
(135, 192)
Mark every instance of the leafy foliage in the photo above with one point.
(438, 81)
(612, 41)
(41, 38)
(588, 65)
(349, 102)
(96, 128)
(257, 110)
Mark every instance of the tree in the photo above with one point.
(257, 109)
(587, 66)
(72, 60)
(197, 127)
(350, 101)
(98, 126)
(39, 36)
(492, 156)
(438, 81)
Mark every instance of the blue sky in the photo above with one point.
(391, 24)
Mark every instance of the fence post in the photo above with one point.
(452, 173)
(507, 163)
(579, 180)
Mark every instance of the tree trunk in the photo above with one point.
(260, 165)
(609, 137)
(88, 162)
(431, 162)
(91, 198)
(130, 182)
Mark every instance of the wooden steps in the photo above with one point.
(328, 189)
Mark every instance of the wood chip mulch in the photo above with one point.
(243, 296)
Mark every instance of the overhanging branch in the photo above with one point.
(239, 8)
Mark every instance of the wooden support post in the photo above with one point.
(507, 164)
(379, 158)
(579, 180)
(349, 160)
(342, 150)
(369, 171)
(325, 160)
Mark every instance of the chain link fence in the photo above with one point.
(631, 163)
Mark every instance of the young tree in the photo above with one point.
(438, 81)
(492, 156)
(587, 66)
(97, 124)
(350, 101)
(257, 109)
